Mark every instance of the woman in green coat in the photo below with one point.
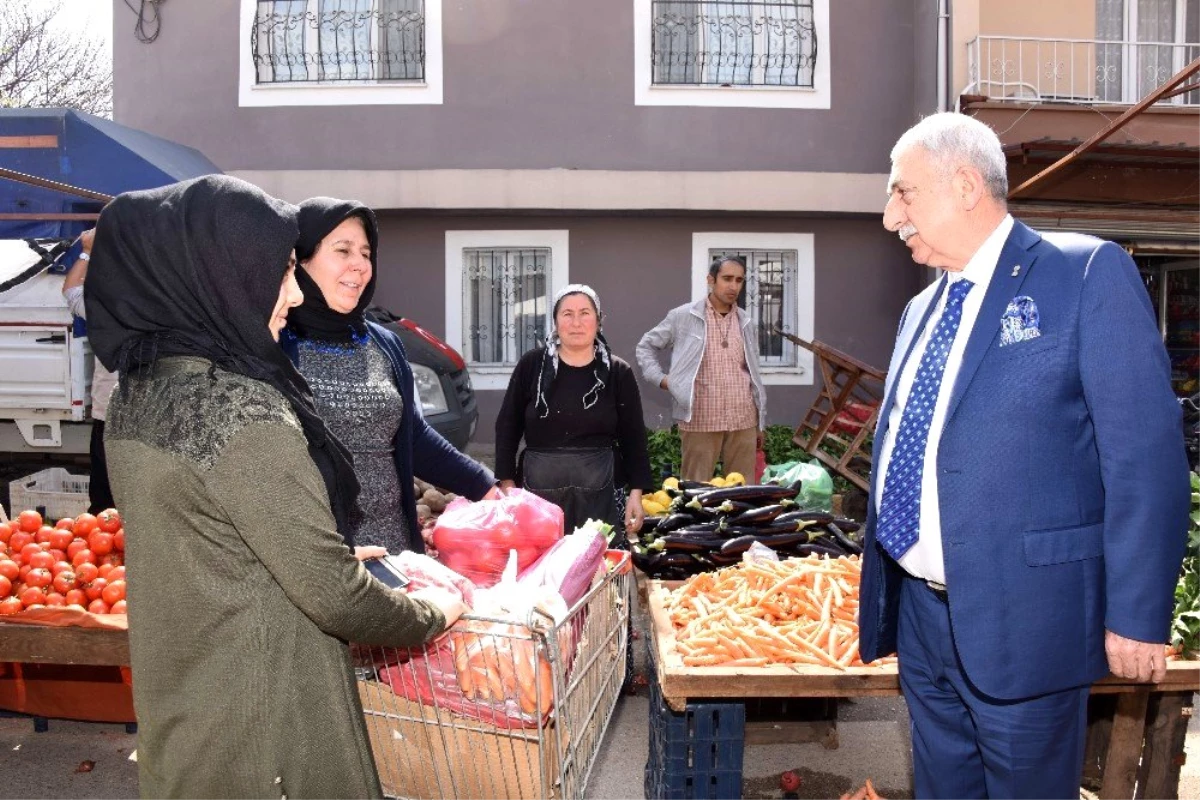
(242, 592)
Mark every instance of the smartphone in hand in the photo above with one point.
(386, 573)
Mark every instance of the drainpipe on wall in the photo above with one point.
(943, 56)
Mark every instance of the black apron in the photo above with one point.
(579, 480)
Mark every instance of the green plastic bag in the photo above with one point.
(816, 486)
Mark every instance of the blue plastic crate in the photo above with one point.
(696, 753)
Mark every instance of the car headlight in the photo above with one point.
(429, 390)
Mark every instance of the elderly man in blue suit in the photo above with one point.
(1030, 497)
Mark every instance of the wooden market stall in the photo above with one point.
(1133, 743)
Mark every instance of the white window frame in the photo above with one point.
(341, 93)
(647, 93)
(496, 376)
(803, 325)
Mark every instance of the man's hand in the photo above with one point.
(760, 440)
(663, 383)
(495, 493)
(86, 238)
(450, 604)
(507, 486)
(1134, 660)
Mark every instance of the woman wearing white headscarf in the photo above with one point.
(578, 408)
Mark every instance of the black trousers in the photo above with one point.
(99, 492)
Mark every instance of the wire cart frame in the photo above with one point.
(495, 709)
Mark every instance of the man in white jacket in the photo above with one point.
(717, 393)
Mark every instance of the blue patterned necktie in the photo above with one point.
(900, 511)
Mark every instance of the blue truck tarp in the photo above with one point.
(84, 151)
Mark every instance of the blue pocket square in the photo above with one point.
(1020, 322)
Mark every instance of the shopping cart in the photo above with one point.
(501, 710)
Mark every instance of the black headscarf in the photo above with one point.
(314, 319)
(195, 269)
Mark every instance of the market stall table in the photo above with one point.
(1140, 745)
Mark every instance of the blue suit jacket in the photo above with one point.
(415, 441)
(1062, 478)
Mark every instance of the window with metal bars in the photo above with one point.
(733, 42)
(338, 41)
(505, 302)
(770, 299)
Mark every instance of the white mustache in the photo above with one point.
(907, 232)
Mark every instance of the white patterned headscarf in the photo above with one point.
(549, 367)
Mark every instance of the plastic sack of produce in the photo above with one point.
(474, 539)
(424, 571)
(569, 566)
(816, 489)
(496, 669)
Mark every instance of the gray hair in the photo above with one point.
(953, 140)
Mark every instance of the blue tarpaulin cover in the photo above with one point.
(89, 153)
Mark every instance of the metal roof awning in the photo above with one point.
(1154, 229)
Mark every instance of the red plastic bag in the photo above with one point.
(474, 539)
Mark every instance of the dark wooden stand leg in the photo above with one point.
(1125, 746)
(1162, 756)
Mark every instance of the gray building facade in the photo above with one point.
(515, 145)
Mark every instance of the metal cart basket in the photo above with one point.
(501, 710)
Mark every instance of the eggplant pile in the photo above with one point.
(706, 528)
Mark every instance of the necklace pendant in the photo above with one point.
(725, 343)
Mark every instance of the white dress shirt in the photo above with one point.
(924, 559)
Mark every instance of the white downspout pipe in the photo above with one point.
(943, 56)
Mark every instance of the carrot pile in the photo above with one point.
(798, 611)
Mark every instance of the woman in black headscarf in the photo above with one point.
(361, 379)
(579, 411)
(242, 593)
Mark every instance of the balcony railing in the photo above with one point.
(1086, 71)
(338, 40)
(733, 42)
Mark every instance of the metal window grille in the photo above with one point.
(338, 40)
(770, 299)
(505, 302)
(733, 42)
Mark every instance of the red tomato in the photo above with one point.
(100, 543)
(10, 606)
(5, 586)
(113, 592)
(97, 607)
(118, 574)
(43, 534)
(95, 589)
(83, 557)
(30, 550)
(40, 560)
(86, 573)
(18, 540)
(114, 559)
(6, 532)
(75, 546)
(76, 597)
(33, 596)
(61, 566)
(29, 521)
(66, 523)
(109, 520)
(85, 524)
(40, 578)
(119, 540)
(119, 607)
(9, 568)
(55, 599)
(61, 539)
(24, 571)
(64, 582)
(105, 569)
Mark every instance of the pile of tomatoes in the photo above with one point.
(76, 563)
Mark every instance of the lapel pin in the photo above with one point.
(1016, 270)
